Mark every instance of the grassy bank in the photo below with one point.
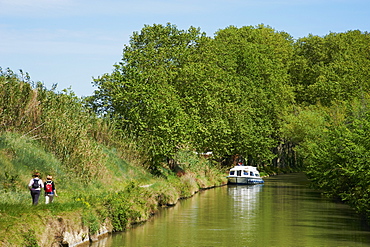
(125, 194)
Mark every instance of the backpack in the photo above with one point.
(48, 187)
(35, 184)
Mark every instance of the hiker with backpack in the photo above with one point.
(35, 185)
(50, 191)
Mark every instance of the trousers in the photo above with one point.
(35, 194)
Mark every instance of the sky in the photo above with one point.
(70, 42)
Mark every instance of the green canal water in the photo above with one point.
(282, 212)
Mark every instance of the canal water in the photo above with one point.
(282, 212)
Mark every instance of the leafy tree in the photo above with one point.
(180, 88)
(331, 68)
(141, 92)
(304, 124)
(337, 159)
(255, 60)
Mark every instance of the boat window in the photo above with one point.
(245, 173)
(257, 175)
(238, 173)
(252, 174)
(232, 172)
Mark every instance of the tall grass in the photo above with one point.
(20, 156)
(19, 107)
(61, 125)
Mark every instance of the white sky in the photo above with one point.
(69, 42)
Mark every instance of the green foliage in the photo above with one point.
(304, 124)
(330, 123)
(178, 89)
(254, 61)
(91, 220)
(30, 239)
(127, 206)
(167, 191)
(201, 169)
(331, 68)
(338, 162)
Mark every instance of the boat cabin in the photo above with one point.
(240, 171)
(244, 175)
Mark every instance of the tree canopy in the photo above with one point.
(179, 88)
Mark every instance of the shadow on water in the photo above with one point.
(317, 218)
(339, 217)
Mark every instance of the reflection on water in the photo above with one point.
(282, 212)
(245, 196)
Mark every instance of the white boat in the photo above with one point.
(244, 175)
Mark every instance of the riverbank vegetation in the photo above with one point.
(140, 140)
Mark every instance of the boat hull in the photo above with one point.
(244, 180)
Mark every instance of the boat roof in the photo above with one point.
(253, 168)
